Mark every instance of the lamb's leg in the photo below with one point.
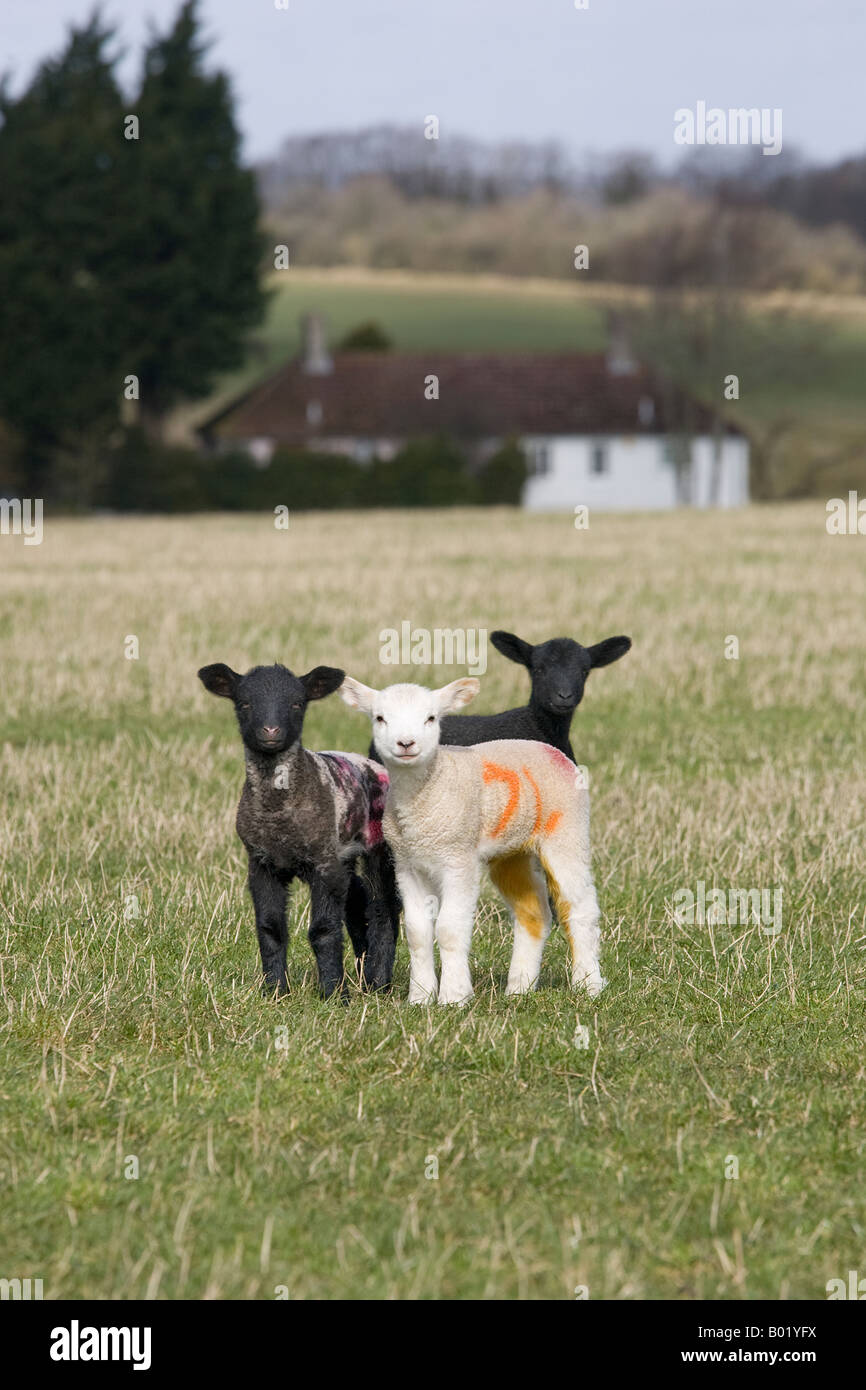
(419, 916)
(381, 920)
(390, 891)
(356, 917)
(573, 892)
(269, 892)
(454, 934)
(522, 884)
(328, 895)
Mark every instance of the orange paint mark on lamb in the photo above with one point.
(561, 906)
(552, 822)
(514, 878)
(494, 772)
(534, 785)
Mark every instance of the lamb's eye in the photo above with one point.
(245, 707)
(296, 705)
(380, 719)
(431, 719)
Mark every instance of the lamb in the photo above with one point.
(559, 670)
(310, 816)
(517, 805)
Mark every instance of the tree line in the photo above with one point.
(476, 172)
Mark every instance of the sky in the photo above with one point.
(600, 79)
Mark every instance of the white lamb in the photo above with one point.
(518, 806)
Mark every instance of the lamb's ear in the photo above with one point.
(357, 695)
(513, 647)
(322, 681)
(219, 679)
(457, 694)
(611, 649)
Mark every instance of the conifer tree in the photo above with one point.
(61, 344)
(193, 289)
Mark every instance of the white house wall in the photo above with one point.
(638, 478)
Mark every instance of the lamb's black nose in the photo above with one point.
(270, 732)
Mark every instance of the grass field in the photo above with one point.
(560, 1165)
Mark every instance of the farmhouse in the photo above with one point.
(599, 430)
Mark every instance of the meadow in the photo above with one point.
(695, 1132)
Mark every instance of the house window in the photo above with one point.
(261, 451)
(314, 412)
(599, 459)
(363, 450)
(538, 459)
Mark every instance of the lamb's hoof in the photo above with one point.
(459, 997)
(422, 996)
(334, 989)
(591, 980)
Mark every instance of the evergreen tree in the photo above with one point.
(192, 291)
(365, 337)
(61, 343)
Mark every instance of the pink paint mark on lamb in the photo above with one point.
(374, 834)
(559, 757)
(353, 796)
(361, 790)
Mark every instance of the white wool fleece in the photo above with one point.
(517, 806)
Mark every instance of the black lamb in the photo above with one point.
(312, 816)
(558, 670)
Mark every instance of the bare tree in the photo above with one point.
(714, 346)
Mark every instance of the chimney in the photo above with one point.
(620, 358)
(315, 358)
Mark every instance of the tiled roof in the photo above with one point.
(481, 395)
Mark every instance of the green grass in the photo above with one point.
(456, 318)
(303, 1166)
